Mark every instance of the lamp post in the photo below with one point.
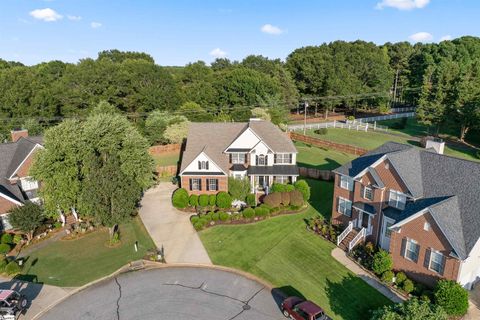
(305, 117)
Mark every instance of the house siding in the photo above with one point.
(432, 239)
(6, 205)
(222, 184)
(337, 217)
(24, 169)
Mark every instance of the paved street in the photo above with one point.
(171, 228)
(171, 293)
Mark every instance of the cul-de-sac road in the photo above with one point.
(180, 293)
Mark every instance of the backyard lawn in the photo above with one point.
(166, 159)
(72, 263)
(281, 251)
(321, 158)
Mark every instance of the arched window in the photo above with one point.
(261, 160)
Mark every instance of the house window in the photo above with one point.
(4, 222)
(397, 199)
(283, 158)
(426, 226)
(212, 184)
(281, 179)
(345, 206)
(388, 231)
(261, 160)
(202, 165)
(28, 184)
(195, 184)
(411, 250)
(436, 261)
(368, 193)
(346, 182)
(238, 158)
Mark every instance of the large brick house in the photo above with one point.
(421, 206)
(256, 149)
(16, 186)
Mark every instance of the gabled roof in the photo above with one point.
(448, 187)
(215, 137)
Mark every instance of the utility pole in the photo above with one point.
(305, 117)
(395, 88)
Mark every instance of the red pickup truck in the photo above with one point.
(300, 309)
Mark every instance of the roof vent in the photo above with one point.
(255, 119)
(436, 144)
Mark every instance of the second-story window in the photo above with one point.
(346, 182)
(202, 165)
(397, 199)
(283, 158)
(262, 160)
(367, 193)
(238, 158)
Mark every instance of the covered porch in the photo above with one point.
(263, 183)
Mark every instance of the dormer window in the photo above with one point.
(202, 165)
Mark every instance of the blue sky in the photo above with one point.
(182, 31)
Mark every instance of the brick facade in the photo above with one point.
(25, 167)
(432, 239)
(222, 184)
(337, 217)
(6, 205)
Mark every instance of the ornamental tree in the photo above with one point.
(27, 218)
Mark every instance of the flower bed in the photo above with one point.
(323, 228)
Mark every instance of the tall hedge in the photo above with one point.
(251, 199)
(180, 198)
(203, 200)
(285, 198)
(273, 200)
(304, 188)
(224, 200)
(452, 297)
(193, 201)
(382, 261)
(296, 198)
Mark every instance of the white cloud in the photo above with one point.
(446, 38)
(95, 25)
(268, 28)
(403, 4)
(218, 53)
(46, 14)
(421, 37)
(74, 18)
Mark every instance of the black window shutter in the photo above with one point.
(426, 262)
(207, 182)
(190, 181)
(230, 158)
(207, 165)
(266, 160)
(200, 184)
(290, 158)
(404, 245)
(418, 252)
(199, 165)
(442, 266)
(216, 184)
(256, 160)
(275, 158)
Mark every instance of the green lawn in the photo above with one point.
(71, 263)
(281, 251)
(320, 158)
(166, 159)
(371, 140)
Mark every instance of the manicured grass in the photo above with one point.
(321, 158)
(166, 159)
(71, 263)
(281, 251)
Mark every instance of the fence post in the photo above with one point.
(334, 122)
(375, 125)
(366, 127)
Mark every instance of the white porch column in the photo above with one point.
(252, 183)
(294, 179)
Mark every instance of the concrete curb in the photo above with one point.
(150, 265)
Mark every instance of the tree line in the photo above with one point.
(441, 79)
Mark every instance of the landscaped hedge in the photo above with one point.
(304, 188)
(251, 200)
(452, 297)
(180, 198)
(203, 200)
(193, 201)
(224, 200)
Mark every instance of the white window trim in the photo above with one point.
(406, 250)
(348, 182)
(238, 158)
(28, 184)
(282, 158)
(432, 252)
(264, 160)
(215, 184)
(198, 180)
(346, 201)
(396, 203)
(364, 195)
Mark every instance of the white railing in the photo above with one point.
(357, 238)
(345, 233)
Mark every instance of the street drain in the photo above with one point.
(246, 307)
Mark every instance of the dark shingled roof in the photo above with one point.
(449, 187)
(364, 207)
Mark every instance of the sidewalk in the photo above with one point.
(341, 257)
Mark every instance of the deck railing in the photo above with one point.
(345, 233)
(357, 238)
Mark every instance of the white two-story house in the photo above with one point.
(258, 150)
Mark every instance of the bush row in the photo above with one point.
(182, 200)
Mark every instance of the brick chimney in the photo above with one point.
(17, 134)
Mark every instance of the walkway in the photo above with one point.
(474, 304)
(341, 257)
(171, 228)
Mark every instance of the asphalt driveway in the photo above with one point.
(171, 228)
(179, 293)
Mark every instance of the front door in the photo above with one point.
(365, 220)
(261, 182)
(386, 233)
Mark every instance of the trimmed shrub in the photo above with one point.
(273, 200)
(208, 216)
(387, 277)
(296, 198)
(193, 200)
(223, 216)
(248, 213)
(180, 198)
(3, 264)
(321, 131)
(400, 278)
(304, 188)
(215, 216)
(261, 212)
(285, 198)
(203, 200)
(238, 188)
(212, 199)
(7, 238)
(266, 207)
(452, 297)
(18, 237)
(251, 200)
(289, 187)
(194, 219)
(199, 225)
(235, 216)
(278, 187)
(382, 261)
(408, 286)
(12, 268)
(410, 309)
(224, 200)
(4, 248)
(56, 225)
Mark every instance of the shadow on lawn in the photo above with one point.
(279, 294)
(26, 285)
(345, 300)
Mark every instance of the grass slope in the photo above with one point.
(71, 263)
(281, 251)
(321, 158)
(166, 159)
